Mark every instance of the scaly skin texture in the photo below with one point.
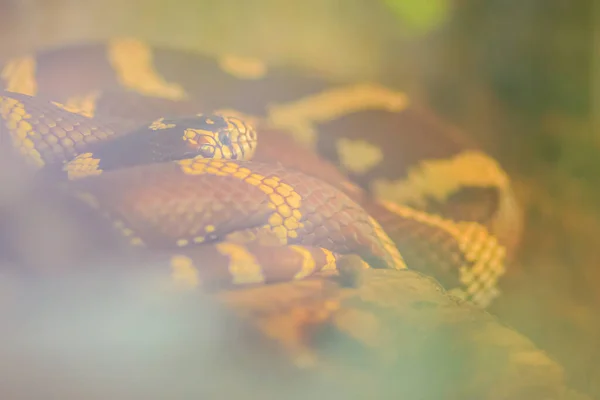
(191, 202)
(427, 186)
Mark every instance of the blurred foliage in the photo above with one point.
(420, 16)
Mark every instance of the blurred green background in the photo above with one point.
(523, 77)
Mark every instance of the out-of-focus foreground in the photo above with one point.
(518, 76)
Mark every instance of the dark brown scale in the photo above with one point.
(161, 205)
(121, 104)
(316, 220)
(67, 72)
(468, 204)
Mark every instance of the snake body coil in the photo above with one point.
(162, 145)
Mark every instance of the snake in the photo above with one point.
(230, 172)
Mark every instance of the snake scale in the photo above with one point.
(230, 172)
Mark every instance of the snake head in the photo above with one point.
(212, 136)
(219, 136)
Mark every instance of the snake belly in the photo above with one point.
(446, 205)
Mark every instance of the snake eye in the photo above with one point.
(207, 151)
(224, 138)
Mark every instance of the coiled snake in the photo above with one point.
(162, 146)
